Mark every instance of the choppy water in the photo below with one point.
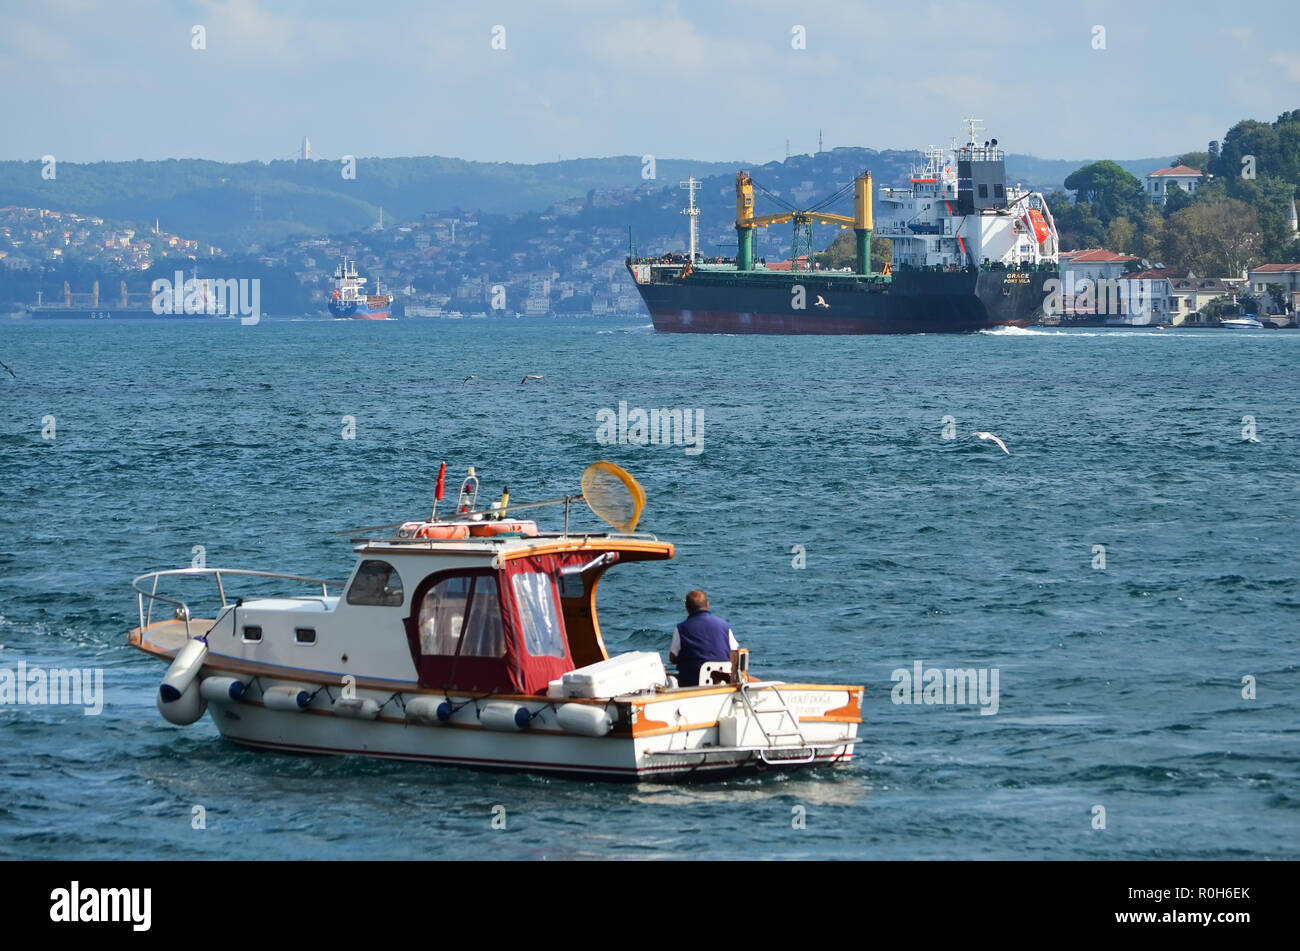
(1119, 688)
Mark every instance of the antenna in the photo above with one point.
(819, 140)
(693, 213)
(975, 130)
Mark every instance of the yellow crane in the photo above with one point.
(862, 223)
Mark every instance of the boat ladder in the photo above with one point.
(801, 751)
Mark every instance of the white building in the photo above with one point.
(1162, 179)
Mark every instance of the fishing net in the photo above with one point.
(613, 495)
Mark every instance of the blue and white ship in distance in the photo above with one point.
(348, 299)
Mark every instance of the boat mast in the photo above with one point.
(693, 213)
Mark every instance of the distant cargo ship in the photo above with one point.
(126, 306)
(969, 252)
(348, 299)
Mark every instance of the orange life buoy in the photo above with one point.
(433, 530)
(484, 529)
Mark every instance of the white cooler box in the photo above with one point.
(626, 673)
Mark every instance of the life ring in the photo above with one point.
(432, 530)
(484, 529)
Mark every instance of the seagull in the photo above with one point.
(820, 302)
(531, 376)
(11, 372)
(468, 378)
(995, 439)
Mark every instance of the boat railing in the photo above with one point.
(182, 608)
(496, 541)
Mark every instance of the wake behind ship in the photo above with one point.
(969, 253)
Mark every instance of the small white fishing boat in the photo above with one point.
(473, 640)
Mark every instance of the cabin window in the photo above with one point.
(462, 613)
(541, 624)
(304, 635)
(377, 584)
(252, 632)
(984, 191)
(998, 191)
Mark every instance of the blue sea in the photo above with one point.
(1148, 688)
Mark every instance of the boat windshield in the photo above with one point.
(378, 584)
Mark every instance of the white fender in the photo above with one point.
(186, 708)
(584, 719)
(222, 689)
(286, 697)
(360, 708)
(425, 710)
(189, 659)
(499, 715)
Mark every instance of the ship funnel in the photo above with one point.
(863, 222)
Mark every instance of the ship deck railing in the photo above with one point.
(181, 608)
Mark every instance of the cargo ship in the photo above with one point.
(348, 300)
(126, 306)
(970, 252)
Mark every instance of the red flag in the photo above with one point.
(442, 473)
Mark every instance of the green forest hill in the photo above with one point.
(235, 205)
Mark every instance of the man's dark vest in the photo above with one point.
(703, 638)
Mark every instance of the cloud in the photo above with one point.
(1290, 63)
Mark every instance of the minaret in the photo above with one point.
(1295, 223)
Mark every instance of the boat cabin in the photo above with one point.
(503, 615)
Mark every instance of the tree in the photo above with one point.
(842, 252)
(1149, 240)
(1280, 296)
(1077, 226)
(1222, 238)
(1256, 140)
(1120, 234)
(1109, 189)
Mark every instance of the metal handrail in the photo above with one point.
(146, 617)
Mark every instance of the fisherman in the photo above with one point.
(702, 637)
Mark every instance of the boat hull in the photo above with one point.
(610, 758)
(913, 302)
(359, 310)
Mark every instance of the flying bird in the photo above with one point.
(11, 372)
(468, 378)
(531, 376)
(995, 439)
(820, 302)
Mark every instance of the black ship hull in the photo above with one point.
(914, 301)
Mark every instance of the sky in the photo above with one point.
(709, 80)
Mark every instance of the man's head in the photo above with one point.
(696, 601)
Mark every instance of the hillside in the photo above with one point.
(234, 206)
